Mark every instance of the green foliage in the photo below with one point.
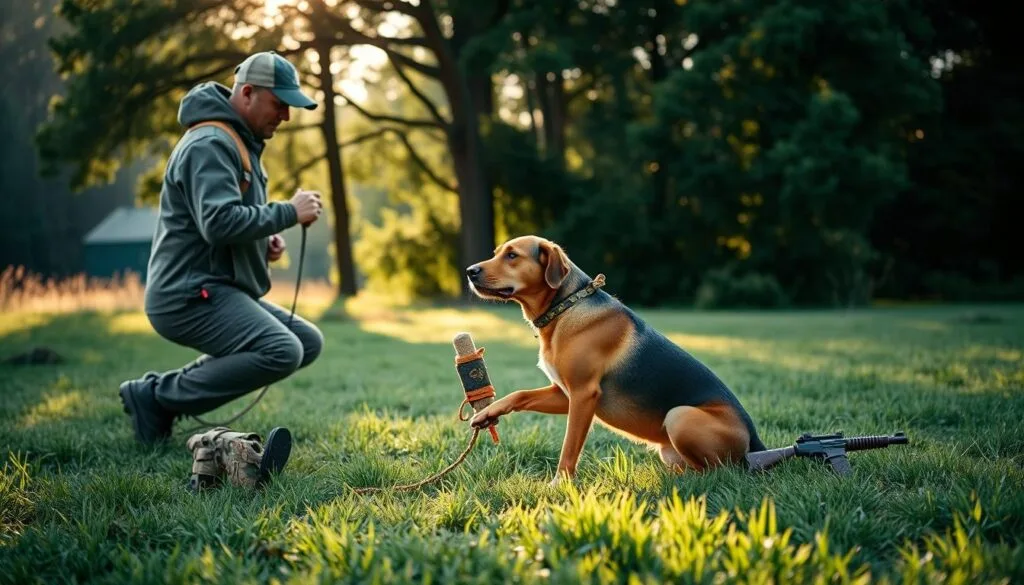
(722, 288)
(408, 242)
(127, 64)
(819, 144)
(411, 254)
(532, 189)
(774, 145)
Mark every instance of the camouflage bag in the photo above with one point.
(241, 458)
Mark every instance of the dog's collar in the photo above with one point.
(566, 303)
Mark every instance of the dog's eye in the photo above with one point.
(511, 255)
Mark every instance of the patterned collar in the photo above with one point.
(567, 303)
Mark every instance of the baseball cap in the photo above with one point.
(274, 72)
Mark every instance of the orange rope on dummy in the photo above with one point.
(473, 396)
(469, 362)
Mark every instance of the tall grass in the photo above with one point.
(27, 292)
(24, 291)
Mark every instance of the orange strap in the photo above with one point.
(473, 396)
(461, 359)
(242, 150)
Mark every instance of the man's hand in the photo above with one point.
(307, 205)
(276, 248)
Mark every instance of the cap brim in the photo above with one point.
(294, 98)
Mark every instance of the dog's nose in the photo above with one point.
(473, 272)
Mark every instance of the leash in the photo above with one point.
(298, 280)
(430, 479)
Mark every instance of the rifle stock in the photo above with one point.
(764, 459)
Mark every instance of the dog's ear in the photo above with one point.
(555, 263)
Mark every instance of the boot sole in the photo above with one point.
(276, 450)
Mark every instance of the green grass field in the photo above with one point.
(79, 501)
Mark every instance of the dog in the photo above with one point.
(604, 361)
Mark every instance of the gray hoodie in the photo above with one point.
(208, 232)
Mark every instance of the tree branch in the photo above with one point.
(298, 128)
(578, 91)
(419, 94)
(296, 174)
(354, 37)
(364, 137)
(389, 5)
(345, 33)
(422, 163)
(158, 90)
(311, 80)
(387, 118)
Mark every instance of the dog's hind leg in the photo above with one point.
(705, 436)
(672, 459)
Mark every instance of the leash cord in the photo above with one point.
(291, 316)
(430, 479)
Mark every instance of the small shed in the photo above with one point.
(121, 242)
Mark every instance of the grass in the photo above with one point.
(79, 501)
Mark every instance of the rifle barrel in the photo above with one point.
(875, 441)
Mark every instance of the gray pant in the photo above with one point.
(245, 343)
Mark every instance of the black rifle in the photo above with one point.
(828, 448)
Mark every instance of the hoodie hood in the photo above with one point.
(210, 101)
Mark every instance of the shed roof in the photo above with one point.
(124, 224)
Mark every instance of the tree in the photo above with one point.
(787, 133)
(129, 63)
(449, 31)
(143, 56)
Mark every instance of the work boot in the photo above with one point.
(151, 421)
(240, 458)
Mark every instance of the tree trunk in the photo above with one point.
(553, 108)
(476, 205)
(479, 246)
(659, 71)
(472, 105)
(339, 198)
(470, 98)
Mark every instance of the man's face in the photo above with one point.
(264, 111)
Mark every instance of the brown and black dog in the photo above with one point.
(604, 361)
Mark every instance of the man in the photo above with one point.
(215, 235)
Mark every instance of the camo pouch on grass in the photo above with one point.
(241, 459)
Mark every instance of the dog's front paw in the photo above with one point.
(561, 477)
(487, 416)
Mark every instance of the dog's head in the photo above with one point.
(521, 268)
